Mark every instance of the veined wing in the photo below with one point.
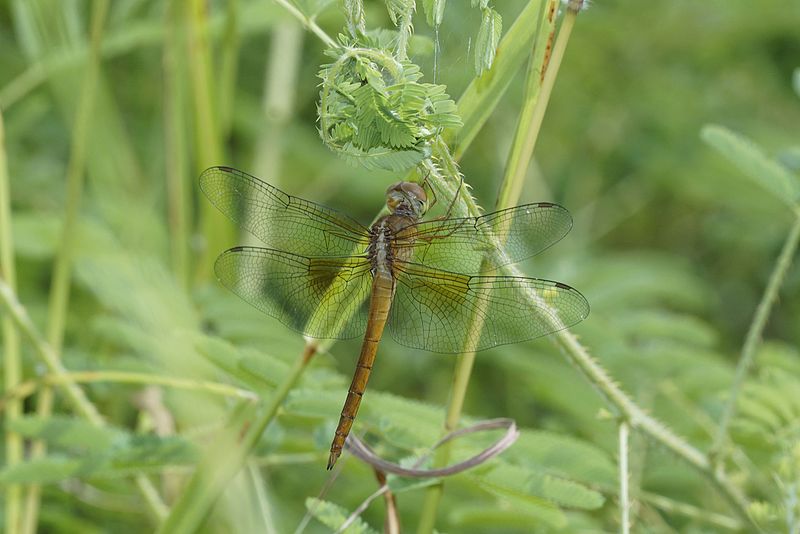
(516, 233)
(437, 310)
(322, 297)
(280, 220)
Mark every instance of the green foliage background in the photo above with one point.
(679, 222)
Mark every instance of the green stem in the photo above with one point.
(176, 153)
(753, 337)
(308, 23)
(227, 456)
(527, 131)
(228, 70)
(62, 270)
(216, 228)
(280, 88)
(12, 363)
(542, 74)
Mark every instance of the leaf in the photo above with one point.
(68, 432)
(45, 470)
(504, 479)
(354, 13)
(334, 516)
(510, 512)
(383, 158)
(754, 163)
(140, 453)
(487, 40)
(434, 11)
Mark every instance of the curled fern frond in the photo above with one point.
(374, 110)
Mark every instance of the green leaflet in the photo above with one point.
(354, 13)
(132, 456)
(68, 432)
(504, 479)
(512, 512)
(754, 163)
(334, 516)
(434, 11)
(487, 40)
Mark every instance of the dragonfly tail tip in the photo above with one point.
(332, 460)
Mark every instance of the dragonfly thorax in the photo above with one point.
(385, 235)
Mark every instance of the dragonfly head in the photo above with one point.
(407, 198)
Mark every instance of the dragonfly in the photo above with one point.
(432, 283)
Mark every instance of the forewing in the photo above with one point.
(442, 311)
(319, 297)
(505, 236)
(280, 220)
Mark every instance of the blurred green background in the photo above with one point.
(672, 246)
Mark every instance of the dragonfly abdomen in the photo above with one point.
(379, 304)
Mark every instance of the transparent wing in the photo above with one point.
(460, 244)
(319, 297)
(436, 310)
(282, 221)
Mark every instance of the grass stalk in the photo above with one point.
(624, 497)
(176, 152)
(228, 69)
(60, 284)
(753, 337)
(227, 456)
(216, 228)
(12, 361)
(280, 88)
(527, 131)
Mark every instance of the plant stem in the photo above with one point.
(178, 206)
(58, 304)
(227, 456)
(12, 363)
(753, 337)
(280, 88)
(228, 70)
(624, 506)
(542, 74)
(308, 23)
(522, 149)
(216, 228)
